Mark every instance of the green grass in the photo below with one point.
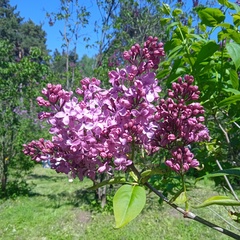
(57, 209)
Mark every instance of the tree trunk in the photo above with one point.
(3, 171)
(102, 192)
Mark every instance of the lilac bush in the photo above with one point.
(99, 130)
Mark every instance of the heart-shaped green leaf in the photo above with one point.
(128, 202)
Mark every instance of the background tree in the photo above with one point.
(23, 35)
(125, 23)
(32, 35)
(86, 66)
(9, 22)
(58, 64)
(20, 82)
(130, 22)
(74, 16)
(24, 69)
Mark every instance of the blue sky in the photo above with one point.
(36, 11)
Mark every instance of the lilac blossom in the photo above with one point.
(182, 159)
(99, 129)
(179, 123)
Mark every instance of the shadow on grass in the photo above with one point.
(15, 189)
(45, 177)
(78, 198)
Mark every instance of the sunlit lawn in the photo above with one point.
(57, 209)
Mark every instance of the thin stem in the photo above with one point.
(227, 181)
(230, 224)
(237, 125)
(186, 214)
(226, 136)
(186, 48)
(184, 40)
(222, 68)
(224, 132)
(190, 215)
(185, 191)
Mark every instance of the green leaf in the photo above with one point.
(146, 173)
(197, 46)
(234, 78)
(235, 216)
(234, 35)
(206, 51)
(196, 36)
(169, 45)
(176, 12)
(231, 90)
(174, 52)
(163, 73)
(229, 100)
(190, 20)
(182, 198)
(236, 19)
(226, 3)
(226, 25)
(211, 16)
(115, 180)
(179, 198)
(134, 176)
(220, 173)
(235, 6)
(180, 71)
(128, 203)
(166, 9)
(165, 20)
(234, 50)
(151, 172)
(218, 200)
(172, 25)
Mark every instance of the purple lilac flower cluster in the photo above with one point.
(102, 130)
(77, 126)
(39, 150)
(179, 123)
